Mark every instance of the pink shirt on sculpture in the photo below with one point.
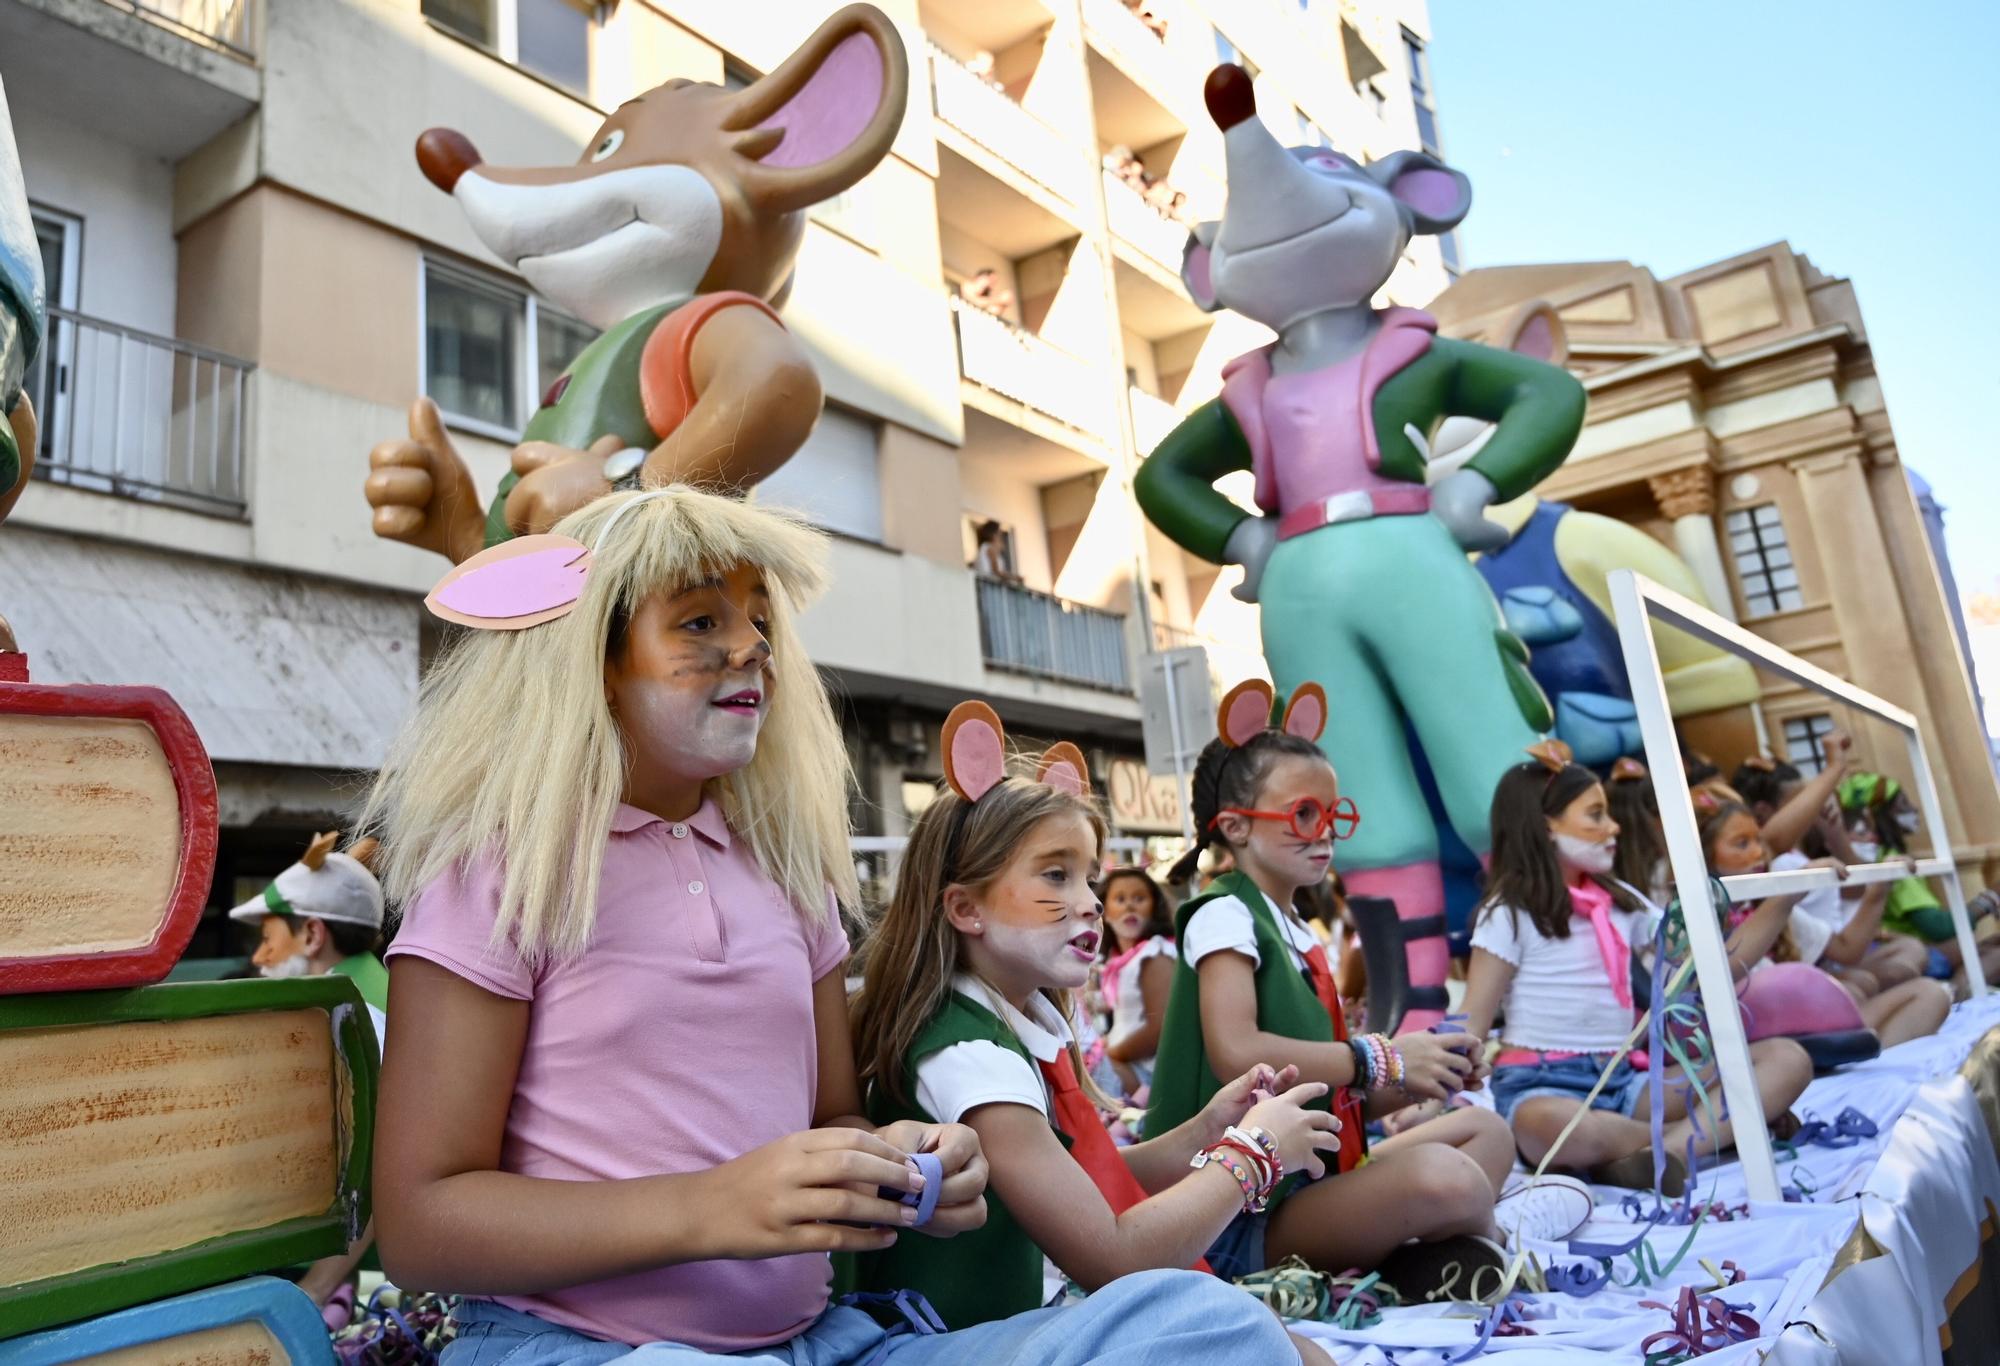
(680, 1039)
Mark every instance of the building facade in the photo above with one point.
(252, 281)
(1735, 415)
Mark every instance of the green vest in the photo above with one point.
(599, 395)
(1183, 1081)
(994, 1271)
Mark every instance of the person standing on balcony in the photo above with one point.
(984, 292)
(993, 559)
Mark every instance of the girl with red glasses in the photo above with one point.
(1254, 982)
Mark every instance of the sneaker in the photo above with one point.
(1546, 1209)
(1463, 1268)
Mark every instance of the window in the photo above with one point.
(1763, 560)
(548, 37)
(60, 238)
(836, 478)
(491, 350)
(1803, 737)
(1420, 93)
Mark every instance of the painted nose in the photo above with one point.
(1231, 95)
(445, 154)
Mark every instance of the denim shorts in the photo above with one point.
(1239, 1249)
(1569, 1079)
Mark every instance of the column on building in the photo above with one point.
(1687, 499)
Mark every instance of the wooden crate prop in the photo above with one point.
(257, 1322)
(107, 848)
(167, 1138)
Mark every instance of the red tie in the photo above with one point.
(1077, 1120)
(1346, 1105)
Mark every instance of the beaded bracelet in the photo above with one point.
(1256, 1193)
(1361, 1070)
(1266, 1168)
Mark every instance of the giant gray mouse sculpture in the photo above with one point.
(1361, 569)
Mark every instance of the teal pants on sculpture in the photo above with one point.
(1393, 621)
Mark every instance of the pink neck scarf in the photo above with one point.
(1113, 966)
(1594, 902)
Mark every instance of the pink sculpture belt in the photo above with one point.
(1355, 505)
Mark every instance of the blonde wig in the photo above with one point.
(513, 751)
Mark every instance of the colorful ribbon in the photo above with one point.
(1700, 1325)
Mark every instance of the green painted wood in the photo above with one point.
(102, 1289)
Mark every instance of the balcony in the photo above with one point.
(1003, 130)
(151, 418)
(165, 76)
(1019, 366)
(1120, 35)
(1152, 418)
(1024, 631)
(1157, 238)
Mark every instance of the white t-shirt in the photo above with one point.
(1225, 923)
(1128, 1012)
(967, 1075)
(1820, 915)
(1561, 998)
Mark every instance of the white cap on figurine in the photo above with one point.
(324, 885)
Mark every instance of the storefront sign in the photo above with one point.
(1142, 803)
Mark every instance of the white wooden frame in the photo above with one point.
(1639, 602)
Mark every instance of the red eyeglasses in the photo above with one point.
(1309, 818)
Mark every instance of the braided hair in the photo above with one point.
(1229, 775)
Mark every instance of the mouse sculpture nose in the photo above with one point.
(445, 154)
(1231, 96)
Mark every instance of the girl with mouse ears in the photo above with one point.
(964, 1017)
(618, 824)
(1253, 985)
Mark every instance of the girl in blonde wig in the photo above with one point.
(619, 1103)
(513, 745)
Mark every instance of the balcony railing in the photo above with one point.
(1125, 36)
(1016, 364)
(145, 417)
(1158, 237)
(221, 23)
(994, 121)
(1152, 419)
(1028, 632)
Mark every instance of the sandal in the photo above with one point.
(1634, 1171)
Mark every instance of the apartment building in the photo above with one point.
(252, 281)
(1735, 414)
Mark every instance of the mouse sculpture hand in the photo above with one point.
(1460, 501)
(1250, 545)
(422, 492)
(555, 481)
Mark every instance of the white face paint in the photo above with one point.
(1039, 920)
(1907, 821)
(298, 965)
(1868, 851)
(692, 734)
(1586, 856)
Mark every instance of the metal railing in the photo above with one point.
(1025, 631)
(1161, 239)
(1126, 36)
(991, 118)
(1017, 364)
(221, 23)
(1152, 418)
(141, 416)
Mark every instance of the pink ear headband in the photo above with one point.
(975, 756)
(1247, 709)
(526, 581)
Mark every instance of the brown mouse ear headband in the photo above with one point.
(1249, 709)
(1553, 755)
(975, 756)
(1628, 770)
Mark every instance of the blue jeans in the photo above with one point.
(1154, 1318)
(1567, 1079)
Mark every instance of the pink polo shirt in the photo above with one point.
(680, 1039)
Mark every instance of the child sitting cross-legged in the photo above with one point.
(1552, 946)
(964, 1017)
(1254, 985)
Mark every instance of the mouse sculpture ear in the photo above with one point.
(826, 116)
(1537, 332)
(1245, 712)
(1197, 260)
(316, 852)
(1434, 196)
(1064, 768)
(1305, 714)
(975, 750)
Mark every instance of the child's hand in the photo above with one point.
(1437, 1066)
(1300, 1133)
(961, 1205)
(1829, 861)
(1229, 1105)
(1839, 751)
(1410, 1116)
(800, 1193)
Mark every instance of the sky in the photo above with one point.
(1672, 135)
